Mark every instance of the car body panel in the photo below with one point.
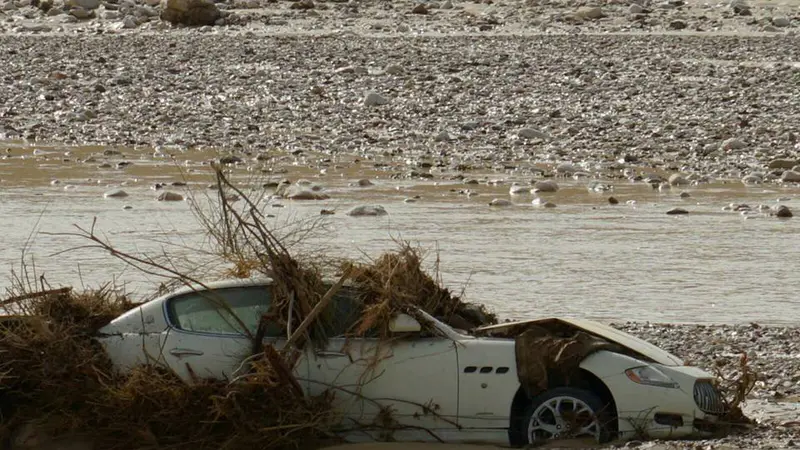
(415, 378)
(637, 404)
(607, 332)
(485, 394)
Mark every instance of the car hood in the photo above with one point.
(607, 332)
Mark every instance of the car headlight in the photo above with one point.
(650, 376)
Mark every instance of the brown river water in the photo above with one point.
(583, 258)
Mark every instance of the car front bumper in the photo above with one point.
(692, 409)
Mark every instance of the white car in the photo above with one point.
(443, 385)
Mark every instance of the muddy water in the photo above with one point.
(583, 258)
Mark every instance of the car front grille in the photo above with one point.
(708, 398)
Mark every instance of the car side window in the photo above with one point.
(344, 312)
(205, 311)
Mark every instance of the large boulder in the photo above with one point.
(190, 12)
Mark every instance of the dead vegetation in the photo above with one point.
(735, 388)
(57, 381)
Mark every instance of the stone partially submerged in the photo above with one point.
(367, 210)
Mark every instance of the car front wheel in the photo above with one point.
(566, 413)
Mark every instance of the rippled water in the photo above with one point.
(584, 258)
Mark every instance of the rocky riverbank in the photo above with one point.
(715, 107)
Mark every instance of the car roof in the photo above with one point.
(229, 283)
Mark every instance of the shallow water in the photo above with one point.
(584, 258)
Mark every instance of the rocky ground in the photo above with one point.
(709, 106)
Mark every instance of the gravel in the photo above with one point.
(713, 106)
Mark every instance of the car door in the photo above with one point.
(411, 382)
(408, 381)
(203, 338)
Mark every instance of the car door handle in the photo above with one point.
(185, 352)
(324, 354)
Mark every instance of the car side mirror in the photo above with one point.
(403, 323)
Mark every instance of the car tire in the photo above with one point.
(595, 417)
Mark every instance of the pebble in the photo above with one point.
(613, 201)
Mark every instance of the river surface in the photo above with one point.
(584, 258)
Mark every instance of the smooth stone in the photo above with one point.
(394, 69)
(169, 197)
(590, 12)
(790, 176)
(519, 190)
(81, 13)
(598, 186)
(443, 136)
(230, 159)
(566, 169)
(677, 179)
(190, 12)
(375, 99)
(783, 211)
(115, 193)
(782, 164)
(86, 4)
(306, 194)
(613, 201)
(540, 202)
(367, 210)
(530, 133)
(127, 207)
(733, 144)
(781, 22)
(685, 195)
(676, 211)
(499, 202)
(545, 186)
(678, 25)
(752, 179)
(364, 182)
